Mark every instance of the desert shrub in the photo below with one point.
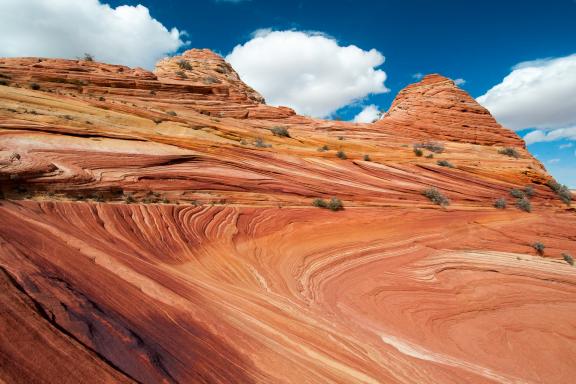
(517, 193)
(14, 156)
(211, 80)
(511, 152)
(280, 131)
(323, 148)
(243, 142)
(185, 65)
(129, 198)
(171, 113)
(335, 204)
(319, 203)
(4, 82)
(35, 86)
(524, 204)
(561, 190)
(260, 143)
(340, 137)
(429, 156)
(432, 146)
(157, 120)
(436, 196)
(568, 258)
(367, 158)
(101, 98)
(529, 190)
(181, 74)
(445, 163)
(418, 152)
(500, 203)
(88, 57)
(341, 155)
(539, 247)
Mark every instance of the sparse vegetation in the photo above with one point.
(334, 204)
(367, 158)
(561, 191)
(500, 203)
(35, 86)
(323, 148)
(445, 163)
(88, 57)
(524, 204)
(340, 137)
(432, 146)
(529, 190)
(436, 196)
(539, 247)
(211, 80)
(181, 74)
(260, 143)
(418, 152)
(101, 98)
(14, 156)
(341, 155)
(185, 65)
(280, 131)
(319, 203)
(171, 113)
(129, 198)
(517, 193)
(511, 152)
(568, 258)
(429, 156)
(157, 120)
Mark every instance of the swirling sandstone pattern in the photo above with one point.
(236, 277)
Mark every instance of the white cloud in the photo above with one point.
(564, 146)
(553, 135)
(368, 114)
(553, 161)
(417, 76)
(459, 81)
(307, 71)
(69, 28)
(538, 94)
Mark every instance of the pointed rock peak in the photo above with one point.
(437, 106)
(203, 67)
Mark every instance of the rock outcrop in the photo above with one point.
(159, 227)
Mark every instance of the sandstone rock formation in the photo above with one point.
(155, 229)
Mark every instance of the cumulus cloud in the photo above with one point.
(68, 28)
(368, 114)
(553, 161)
(538, 94)
(308, 71)
(459, 81)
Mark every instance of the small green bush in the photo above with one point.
(88, 57)
(341, 155)
(568, 258)
(259, 143)
(129, 198)
(367, 158)
(340, 137)
(181, 74)
(101, 98)
(185, 65)
(517, 193)
(500, 203)
(432, 146)
(445, 163)
(335, 204)
(539, 247)
(511, 152)
(35, 86)
(561, 190)
(171, 113)
(418, 152)
(436, 196)
(319, 203)
(529, 190)
(429, 156)
(280, 131)
(524, 204)
(323, 148)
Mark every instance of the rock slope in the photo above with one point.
(158, 227)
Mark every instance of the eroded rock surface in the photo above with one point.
(155, 229)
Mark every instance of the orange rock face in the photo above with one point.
(159, 227)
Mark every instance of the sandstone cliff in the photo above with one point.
(158, 227)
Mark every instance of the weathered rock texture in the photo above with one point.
(155, 230)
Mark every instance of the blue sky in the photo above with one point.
(481, 42)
